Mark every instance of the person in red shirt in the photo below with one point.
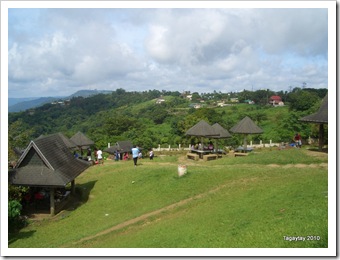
(297, 139)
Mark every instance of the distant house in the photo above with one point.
(160, 100)
(276, 101)
(196, 105)
(250, 102)
(234, 100)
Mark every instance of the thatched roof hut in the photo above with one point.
(321, 118)
(246, 126)
(47, 162)
(121, 147)
(223, 133)
(81, 140)
(202, 129)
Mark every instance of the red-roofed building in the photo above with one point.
(276, 101)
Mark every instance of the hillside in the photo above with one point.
(232, 202)
(136, 116)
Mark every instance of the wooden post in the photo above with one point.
(73, 187)
(245, 143)
(321, 136)
(52, 205)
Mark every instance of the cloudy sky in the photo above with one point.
(58, 51)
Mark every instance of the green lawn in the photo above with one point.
(241, 202)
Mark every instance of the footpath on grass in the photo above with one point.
(146, 216)
(173, 206)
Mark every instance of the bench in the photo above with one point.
(240, 154)
(193, 156)
(208, 157)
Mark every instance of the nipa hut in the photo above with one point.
(203, 130)
(320, 118)
(246, 126)
(47, 163)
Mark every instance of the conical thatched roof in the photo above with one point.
(112, 149)
(47, 162)
(223, 132)
(81, 140)
(246, 126)
(202, 129)
(320, 117)
(121, 146)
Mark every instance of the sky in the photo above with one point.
(58, 51)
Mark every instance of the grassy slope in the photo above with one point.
(254, 203)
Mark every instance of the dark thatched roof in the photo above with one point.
(47, 162)
(121, 146)
(202, 129)
(246, 126)
(81, 140)
(223, 132)
(66, 140)
(320, 117)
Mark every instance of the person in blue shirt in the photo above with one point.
(135, 152)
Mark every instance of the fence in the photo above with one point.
(180, 148)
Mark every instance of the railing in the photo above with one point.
(180, 148)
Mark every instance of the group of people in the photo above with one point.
(199, 147)
(98, 156)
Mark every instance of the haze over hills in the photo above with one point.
(21, 104)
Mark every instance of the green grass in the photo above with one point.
(237, 202)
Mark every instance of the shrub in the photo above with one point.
(15, 221)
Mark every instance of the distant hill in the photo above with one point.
(13, 101)
(22, 104)
(87, 93)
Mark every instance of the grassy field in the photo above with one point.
(258, 201)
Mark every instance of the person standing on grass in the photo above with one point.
(151, 154)
(100, 156)
(135, 152)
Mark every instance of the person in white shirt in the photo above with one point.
(100, 156)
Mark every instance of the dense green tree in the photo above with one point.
(302, 100)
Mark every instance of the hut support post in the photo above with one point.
(52, 205)
(73, 187)
(321, 136)
(245, 144)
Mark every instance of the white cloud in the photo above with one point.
(71, 49)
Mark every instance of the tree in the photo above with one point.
(302, 100)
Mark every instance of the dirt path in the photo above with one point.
(148, 215)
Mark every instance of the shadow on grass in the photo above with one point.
(21, 235)
(81, 196)
(323, 150)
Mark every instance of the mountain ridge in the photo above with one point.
(22, 104)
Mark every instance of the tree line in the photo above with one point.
(135, 116)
